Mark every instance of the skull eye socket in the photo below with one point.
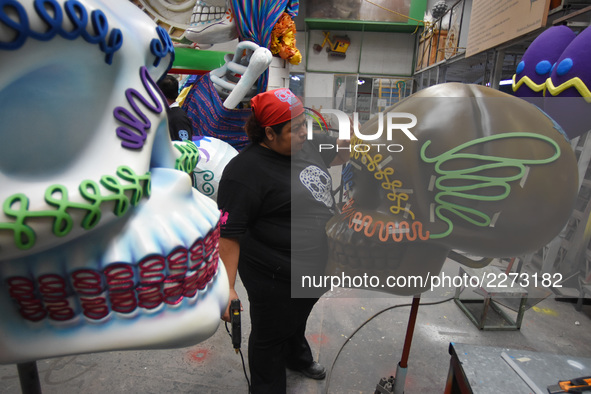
(41, 143)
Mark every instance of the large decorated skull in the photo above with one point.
(481, 172)
(104, 245)
(212, 22)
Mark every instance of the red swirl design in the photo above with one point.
(121, 287)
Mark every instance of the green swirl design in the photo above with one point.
(471, 181)
(17, 205)
(189, 157)
(206, 188)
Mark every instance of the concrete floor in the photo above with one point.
(356, 359)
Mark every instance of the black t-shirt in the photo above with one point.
(264, 195)
(179, 125)
(312, 205)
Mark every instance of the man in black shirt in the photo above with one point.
(179, 124)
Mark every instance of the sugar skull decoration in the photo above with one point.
(571, 76)
(212, 22)
(192, 21)
(569, 96)
(217, 102)
(538, 60)
(480, 171)
(213, 156)
(104, 244)
(556, 67)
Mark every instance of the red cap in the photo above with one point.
(276, 106)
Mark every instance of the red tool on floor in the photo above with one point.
(578, 385)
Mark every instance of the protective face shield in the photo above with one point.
(488, 174)
(104, 245)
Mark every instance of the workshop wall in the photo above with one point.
(319, 85)
(368, 53)
(330, 61)
(387, 54)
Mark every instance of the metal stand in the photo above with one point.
(396, 384)
(491, 290)
(29, 378)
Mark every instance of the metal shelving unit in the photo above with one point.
(569, 254)
(488, 67)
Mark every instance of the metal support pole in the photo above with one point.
(29, 378)
(497, 71)
(442, 74)
(421, 78)
(403, 365)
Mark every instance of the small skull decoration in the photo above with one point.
(104, 244)
(488, 174)
(319, 184)
(285, 96)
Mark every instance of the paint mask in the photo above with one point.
(212, 22)
(488, 174)
(104, 245)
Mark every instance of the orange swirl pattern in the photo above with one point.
(398, 232)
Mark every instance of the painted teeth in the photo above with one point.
(203, 13)
(162, 258)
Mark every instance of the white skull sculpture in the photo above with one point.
(212, 22)
(488, 174)
(104, 245)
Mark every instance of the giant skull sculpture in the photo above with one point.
(203, 22)
(212, 22)
(488, 174)
(103, 244)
